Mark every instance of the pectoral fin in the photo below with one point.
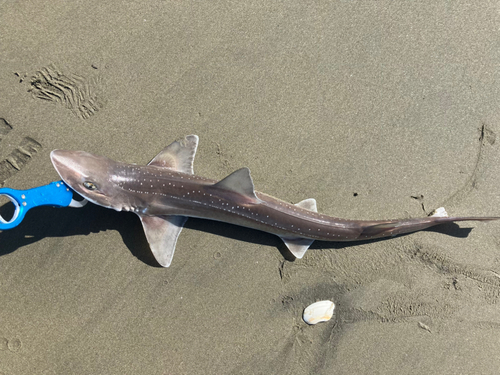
(161, 233)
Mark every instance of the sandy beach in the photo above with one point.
(378, 110)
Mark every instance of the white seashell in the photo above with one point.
(320, 311)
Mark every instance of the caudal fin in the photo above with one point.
(396, 227)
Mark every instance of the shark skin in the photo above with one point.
(166, 192)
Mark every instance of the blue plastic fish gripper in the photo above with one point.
(56, 194)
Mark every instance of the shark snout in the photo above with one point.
(60, 160)
(58, 156)
(76, 167)
(71, 165)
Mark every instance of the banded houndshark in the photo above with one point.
(166, 192)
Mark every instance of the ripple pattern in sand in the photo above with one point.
(77, 93)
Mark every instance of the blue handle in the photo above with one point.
(56, 194)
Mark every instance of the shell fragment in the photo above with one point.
(320, 311)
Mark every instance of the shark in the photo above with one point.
(166, 192)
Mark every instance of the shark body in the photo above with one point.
(166, 192)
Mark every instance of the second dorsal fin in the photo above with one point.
(239, 182)
(308, 204)
(179, 155)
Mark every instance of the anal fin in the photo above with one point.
(162, 233)
(297, 246)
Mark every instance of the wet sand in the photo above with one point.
(379, 110)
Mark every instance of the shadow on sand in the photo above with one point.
(43, 222)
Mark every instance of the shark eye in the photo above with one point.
(89, 185)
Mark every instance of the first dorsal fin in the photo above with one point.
(179, 155)
(239, 182)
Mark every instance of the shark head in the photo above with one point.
(87, 174)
